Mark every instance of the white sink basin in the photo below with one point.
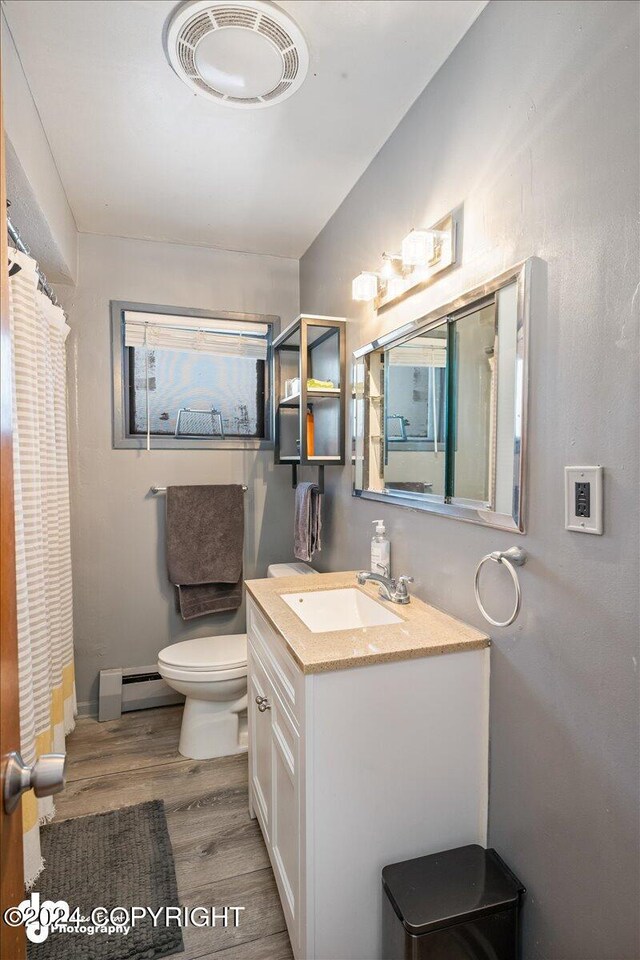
(325, 610)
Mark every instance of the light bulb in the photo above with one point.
(365, 287)
(390, 266)
(418, 248)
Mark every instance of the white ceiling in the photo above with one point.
(140, 156)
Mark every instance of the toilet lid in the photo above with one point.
(207, 653)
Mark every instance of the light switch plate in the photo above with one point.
(583, 499)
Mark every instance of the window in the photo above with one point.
(186, 378)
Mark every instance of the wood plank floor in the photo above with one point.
(219, 853)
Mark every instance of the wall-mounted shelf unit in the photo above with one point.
(309, 427)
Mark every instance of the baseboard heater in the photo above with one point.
(133, 688)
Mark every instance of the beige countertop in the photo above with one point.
(425, 631)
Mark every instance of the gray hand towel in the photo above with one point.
(205, 533)
(307, 522)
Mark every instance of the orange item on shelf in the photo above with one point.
(310, 432)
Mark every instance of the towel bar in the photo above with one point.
(294, 476)
(156, 490)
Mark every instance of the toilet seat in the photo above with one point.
(205, 658)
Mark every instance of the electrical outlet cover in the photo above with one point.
(576, 501)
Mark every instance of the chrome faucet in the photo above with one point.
(390, 589)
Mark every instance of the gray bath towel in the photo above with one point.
(308, 521)
(205, 533)
(202, 598)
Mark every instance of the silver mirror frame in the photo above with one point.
(525, 274)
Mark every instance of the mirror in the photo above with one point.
(439, 408)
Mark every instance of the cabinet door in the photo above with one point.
(286, 816)
(260, 743)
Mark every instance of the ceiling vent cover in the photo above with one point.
(249, 53)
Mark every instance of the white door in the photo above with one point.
(260, 695)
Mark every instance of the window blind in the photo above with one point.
(227, 338)
(428, 352)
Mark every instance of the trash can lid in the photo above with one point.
(430, 893)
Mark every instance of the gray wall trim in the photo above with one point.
(87, 708)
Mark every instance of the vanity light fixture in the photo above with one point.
(365, 286)
(425, 253)
(419, 248)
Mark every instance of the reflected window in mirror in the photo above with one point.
(416, 416)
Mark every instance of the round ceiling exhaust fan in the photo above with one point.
(245, 54)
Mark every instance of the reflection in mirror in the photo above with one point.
(438, 410)
(415, 394)
(473, 414)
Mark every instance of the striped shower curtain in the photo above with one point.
(43, 555)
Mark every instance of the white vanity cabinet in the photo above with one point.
(351, 769)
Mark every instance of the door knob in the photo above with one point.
(260, 700)
(264, 706)
(45, 777)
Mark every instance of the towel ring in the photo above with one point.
(511, 558)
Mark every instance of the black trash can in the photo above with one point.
(461, 904)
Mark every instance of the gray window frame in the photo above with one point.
(122, 438)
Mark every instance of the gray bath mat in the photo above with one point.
(122, 858)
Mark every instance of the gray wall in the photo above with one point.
(532, 124)
(123, 604)
(39, 202)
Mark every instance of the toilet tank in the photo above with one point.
(288, 569)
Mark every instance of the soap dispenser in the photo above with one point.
(380, 550)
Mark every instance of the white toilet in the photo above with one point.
(212, 674)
